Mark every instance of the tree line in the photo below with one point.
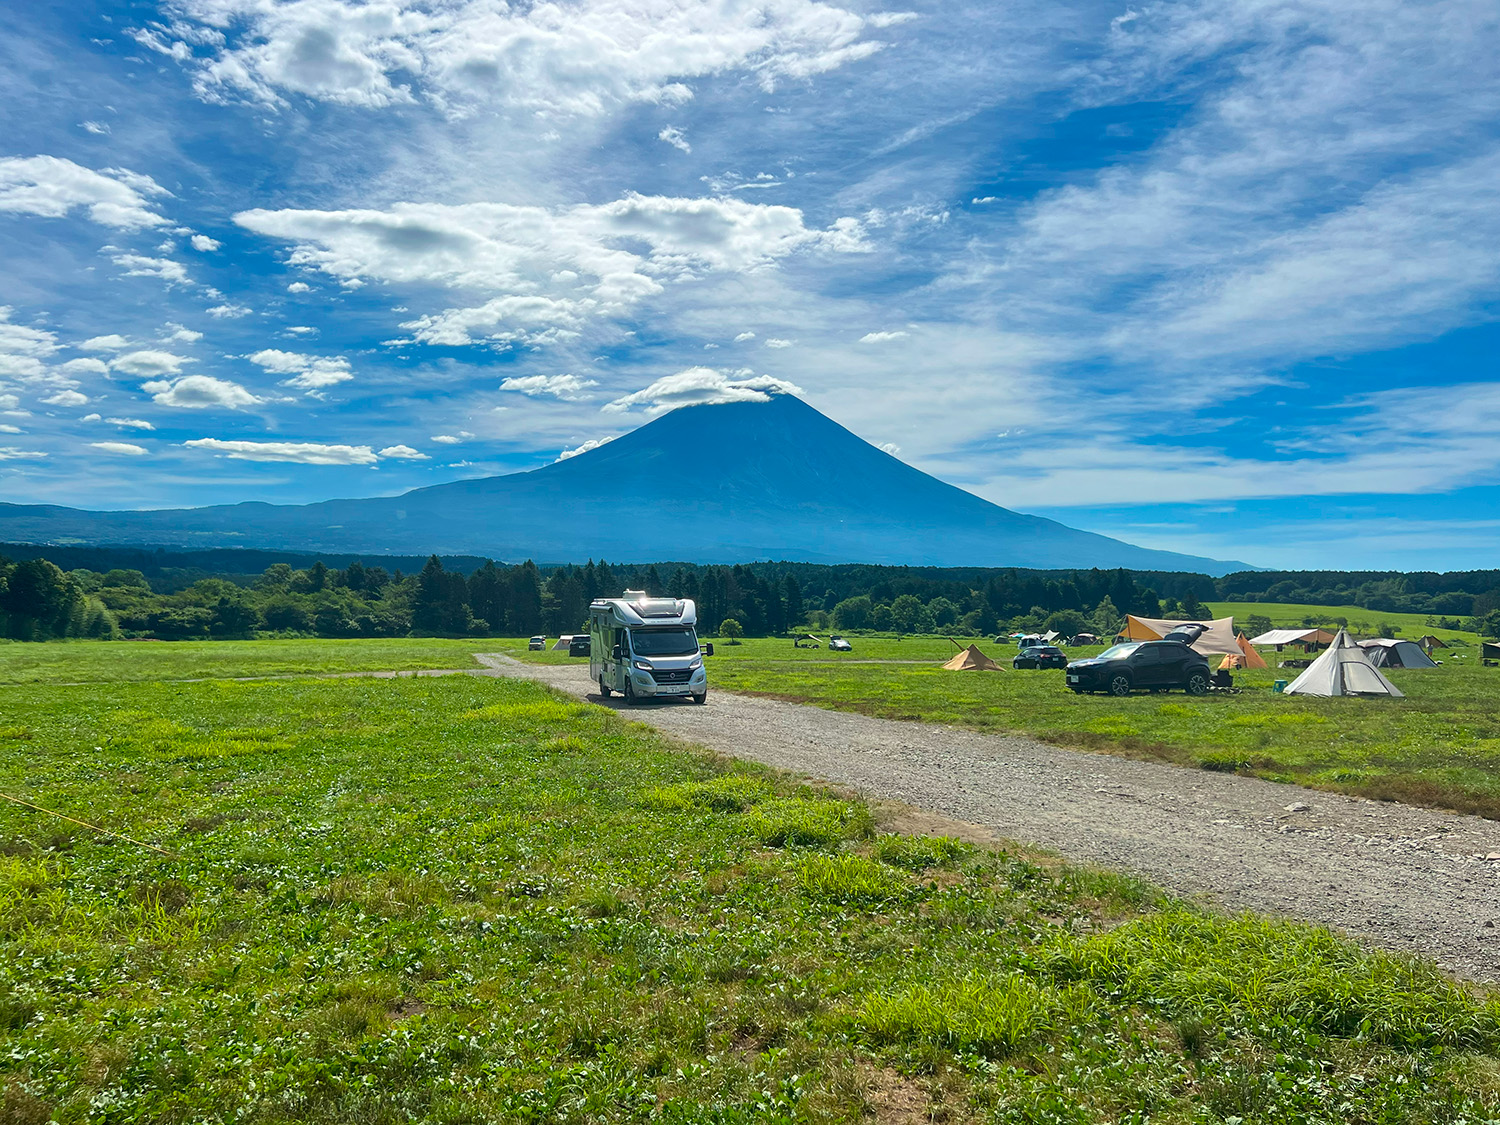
(473, 597)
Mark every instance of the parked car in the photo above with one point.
(1153, 665)
(1040, 656)
(536, 644)
(581, 645)
(838, 644)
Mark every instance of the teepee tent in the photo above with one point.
(971, 659)
(1343, 669)
(1247, 657)
(1217, 635)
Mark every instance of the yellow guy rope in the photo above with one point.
(94, 827)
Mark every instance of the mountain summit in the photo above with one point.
(713, 483)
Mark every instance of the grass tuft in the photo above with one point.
(849, 879)
(810, 822)
(917, 853)
(980, 1014)
(733, 792)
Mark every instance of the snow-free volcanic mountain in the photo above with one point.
(714, 483)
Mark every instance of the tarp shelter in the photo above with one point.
(1344, 669)
(563, 643)
(1247, 658)
(1385, 653)
(1429, 642)
(1051, 635)
(1307, 638)
(1489, 650)
(1217, 636)
(971, 659)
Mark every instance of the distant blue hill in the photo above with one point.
(710, 484)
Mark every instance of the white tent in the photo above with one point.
(1386, 653)
(1218, 634)
(1279, 637)
(1343, 669)
(563, 642)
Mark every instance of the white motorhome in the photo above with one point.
(645, 647)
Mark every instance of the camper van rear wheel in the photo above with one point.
(1197, 684)
(604, 692)
(1120, 685)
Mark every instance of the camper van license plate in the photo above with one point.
(672, 689)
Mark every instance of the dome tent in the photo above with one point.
(1386, 653)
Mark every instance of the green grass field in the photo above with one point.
(1438, 746)
(1413, 625)
(114, 661)
(463, 900)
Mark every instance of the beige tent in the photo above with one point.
(971, 659)
(1430, 642)
(1218, 634)
(1309, 639)
(1343, 669)
(1246, 658)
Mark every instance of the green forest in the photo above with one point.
(48, 594)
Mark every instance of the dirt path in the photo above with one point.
(1402, 877)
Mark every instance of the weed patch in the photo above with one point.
(985, 1015)
(792, 821)
(916, 853)
(849, 879)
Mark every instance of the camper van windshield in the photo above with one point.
(663, 642)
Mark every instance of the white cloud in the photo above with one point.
(553, 270)
(880, 337)
(131, 423)
(301, 330)
(11, 453)
(85, 367)
(204, 244)
(52, 187)
(7, 428)
(773, 342)
(550, 59)
(570, 388)
(105, 344)
(980, 200)
(311, 373)
(228, 311)
(177, 334)
(199, 392)
(123, 448)
(66, 398)
(97, 128)
(674, 137)
(743, 336)
(301, 452)
(889, 447)
(699, 385)
(139, 265)
(299, 287)
(148, 362)
(402, 453)
(9, 402)
(591, 444)
(452, 439)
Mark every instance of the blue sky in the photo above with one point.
(1211, 276)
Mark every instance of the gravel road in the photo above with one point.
(1401, 877)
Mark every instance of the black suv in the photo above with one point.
(581, 645)
(1156, 665)
(1040, 656)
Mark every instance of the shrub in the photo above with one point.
(849, 879)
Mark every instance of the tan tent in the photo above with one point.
(1218, 634)
(1430, 642)
(971, 659)
(1247, 657)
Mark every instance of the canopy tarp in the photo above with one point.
(971, 659)
(1489, 650)
(1280, 637)
(1429, 642)
(1386, 653)
(1344, 669)
(1051, 635)
(1247, 657)
(1218, 634)
(563, 642)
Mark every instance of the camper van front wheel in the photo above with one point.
(701, 699)
(1120, 685)
(630, 696)
(604, 692)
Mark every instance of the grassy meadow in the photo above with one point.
(1438, 746)
(1412, 625)
(115, 661)
(471, 900)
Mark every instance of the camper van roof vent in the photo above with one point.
(659, 607)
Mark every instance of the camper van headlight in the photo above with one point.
(642, 665)
(696, 664)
